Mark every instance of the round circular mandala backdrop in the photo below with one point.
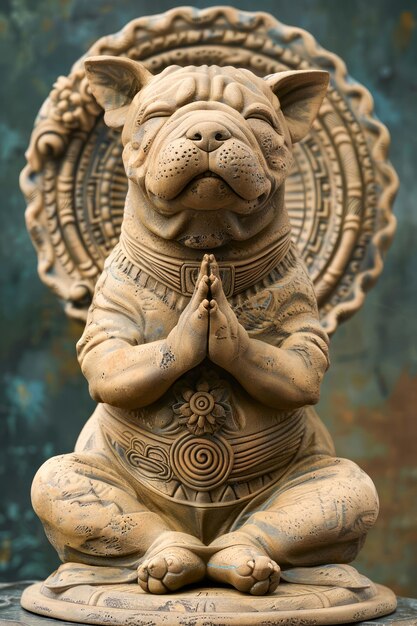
(339, 194)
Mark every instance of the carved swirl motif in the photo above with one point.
(202, 463)
(153, 461)
(339, 195)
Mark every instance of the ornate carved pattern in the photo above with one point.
(290, 605)
(202, 463)
(339, 194)
(153, 461)
(211, 468)
(205, 408)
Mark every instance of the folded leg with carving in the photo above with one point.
(94, 517)
(317, 517)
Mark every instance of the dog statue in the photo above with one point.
(204, 351)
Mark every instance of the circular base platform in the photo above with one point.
(290, 604)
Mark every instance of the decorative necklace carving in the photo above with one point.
(180, 275)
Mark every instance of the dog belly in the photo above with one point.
(204, 484)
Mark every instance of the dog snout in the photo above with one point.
(208, 136)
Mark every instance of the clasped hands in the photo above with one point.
(208, 326)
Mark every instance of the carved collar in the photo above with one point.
(181, 276)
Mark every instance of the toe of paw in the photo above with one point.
(157, 569)
(245, 569)
(156, 586)
(143, 585)
(174, 566)
(260, 588)
(143, 575)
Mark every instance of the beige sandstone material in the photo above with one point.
(205, 462)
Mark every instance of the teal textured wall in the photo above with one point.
(369, 398)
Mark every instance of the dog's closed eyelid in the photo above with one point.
(155, 115)
(260, 113)
(158, 109)
(261, 118)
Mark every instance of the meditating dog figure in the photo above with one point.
(203, 348)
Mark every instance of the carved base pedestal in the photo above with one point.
(290, 604)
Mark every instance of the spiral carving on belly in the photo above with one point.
(202, 463)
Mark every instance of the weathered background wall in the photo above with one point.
(369, 399)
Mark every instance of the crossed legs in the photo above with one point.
(93, 515)
(318, 516)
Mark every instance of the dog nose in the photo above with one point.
(208, 135)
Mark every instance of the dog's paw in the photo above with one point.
(169, 570)
(245, 569)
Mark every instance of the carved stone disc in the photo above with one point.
(339, 194)
(289, 605)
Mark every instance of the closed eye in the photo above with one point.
(157, 109)
(259, 113)
(263, 118)
(155, 114)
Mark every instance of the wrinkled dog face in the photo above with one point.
(209, 139)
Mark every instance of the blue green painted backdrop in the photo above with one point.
(369, 399)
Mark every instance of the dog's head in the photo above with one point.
(207, 146)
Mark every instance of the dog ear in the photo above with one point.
(300, 93)
(114, 81)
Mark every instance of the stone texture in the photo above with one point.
(12, 614)
(370, 395)
(204, 461)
